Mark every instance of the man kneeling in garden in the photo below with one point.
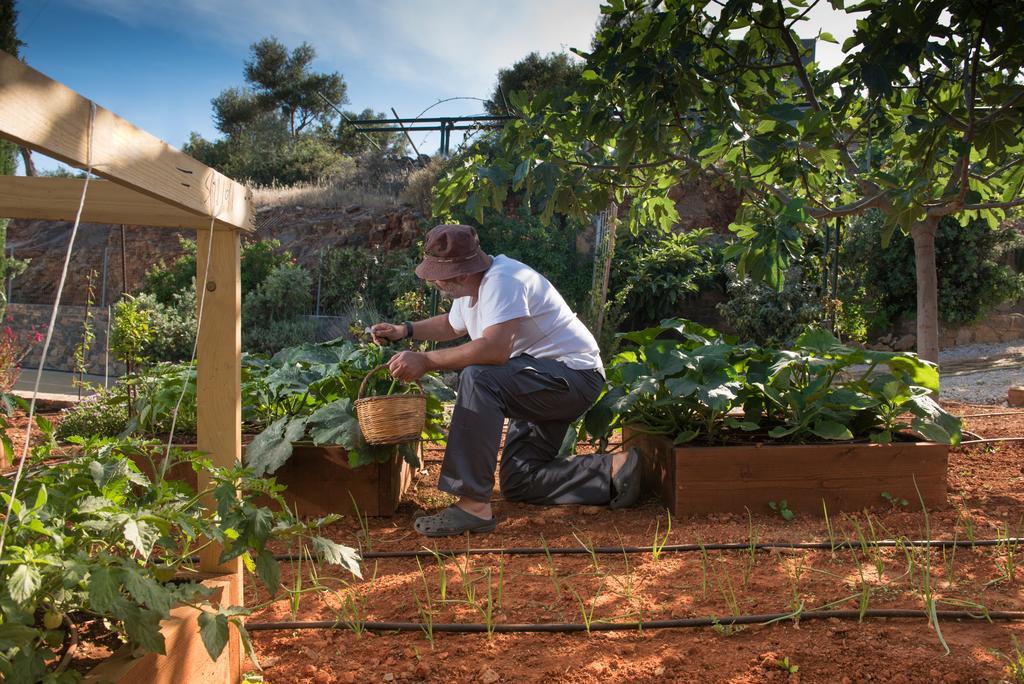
(529, 359)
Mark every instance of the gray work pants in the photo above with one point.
(541, 398)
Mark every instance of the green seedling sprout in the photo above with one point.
(895, 501)
(442, 574)
(877, 557)
(782, 508)
(466, 574)
(751, 549)
(784, 665)
(794, 583)
(587, 615)
(590, 550)
(926, 585)
(627, 584)
(703, 568)
(487, 610)
(425, 607)
(364, 525)
(552, 571)
(1015, 662)
(828, 527)
(1006, 557)
(659, 542)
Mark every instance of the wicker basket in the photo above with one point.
(392, 419)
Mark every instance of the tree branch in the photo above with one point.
(994, 205)
(805, 82)
(875, 201)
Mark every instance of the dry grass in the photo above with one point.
(371, 182)
(334, 193)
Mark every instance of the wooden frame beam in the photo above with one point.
(44, 115)
(57, 199)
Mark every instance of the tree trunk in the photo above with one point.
(30, 166)
(923, 234)
(604, 251)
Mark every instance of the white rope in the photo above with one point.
(49, 333)
(201, 292)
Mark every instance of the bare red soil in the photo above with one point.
(986, 501)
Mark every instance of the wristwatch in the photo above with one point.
(408, 328)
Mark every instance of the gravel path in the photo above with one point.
(960, 382)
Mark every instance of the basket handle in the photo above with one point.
(362, 385)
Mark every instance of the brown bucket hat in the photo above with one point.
(450, 251)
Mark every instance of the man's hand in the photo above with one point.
(408, 365)
(387, 332)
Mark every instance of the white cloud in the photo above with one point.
(450, 47)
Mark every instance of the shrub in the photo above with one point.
(364, 278)
(419, 188)
(760, 314)
(104, 414)
(550, 250)
(654, 272)
(972, 281)
(130, 332)
(258, 259)
(272, 314)
(271, 336)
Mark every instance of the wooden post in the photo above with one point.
(218, 382)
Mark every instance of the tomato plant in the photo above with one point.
(93, 536)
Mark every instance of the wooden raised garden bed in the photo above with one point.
(186, 659)
(319, 481)
(847, 477)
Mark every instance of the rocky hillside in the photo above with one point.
(304, 230)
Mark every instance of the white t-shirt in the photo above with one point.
(549, 329)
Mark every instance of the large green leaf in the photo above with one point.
(104, 589)
(934, 423)
(268, 571)
(213, 629)
(141, 534)
(336, 554)
(23, 583)
(335, 423)
(147, 591)
(271, 448)
(830, 429)
(291, 379)
(821, 341)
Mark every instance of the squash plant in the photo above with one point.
(686, 381)
(308, 392)
(94, 537)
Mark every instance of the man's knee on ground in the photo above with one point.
(515, 486)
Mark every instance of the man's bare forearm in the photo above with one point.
(435, 329)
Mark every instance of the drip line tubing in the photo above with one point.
(677, 548)
(984, 415)
(598, 626)
(992, 439)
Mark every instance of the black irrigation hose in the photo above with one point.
(992, 439)
(598, 626)
(676, 548)
(985, 415)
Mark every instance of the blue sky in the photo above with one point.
(158, 63)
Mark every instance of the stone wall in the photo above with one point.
(67, 335)
(1006, 324)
